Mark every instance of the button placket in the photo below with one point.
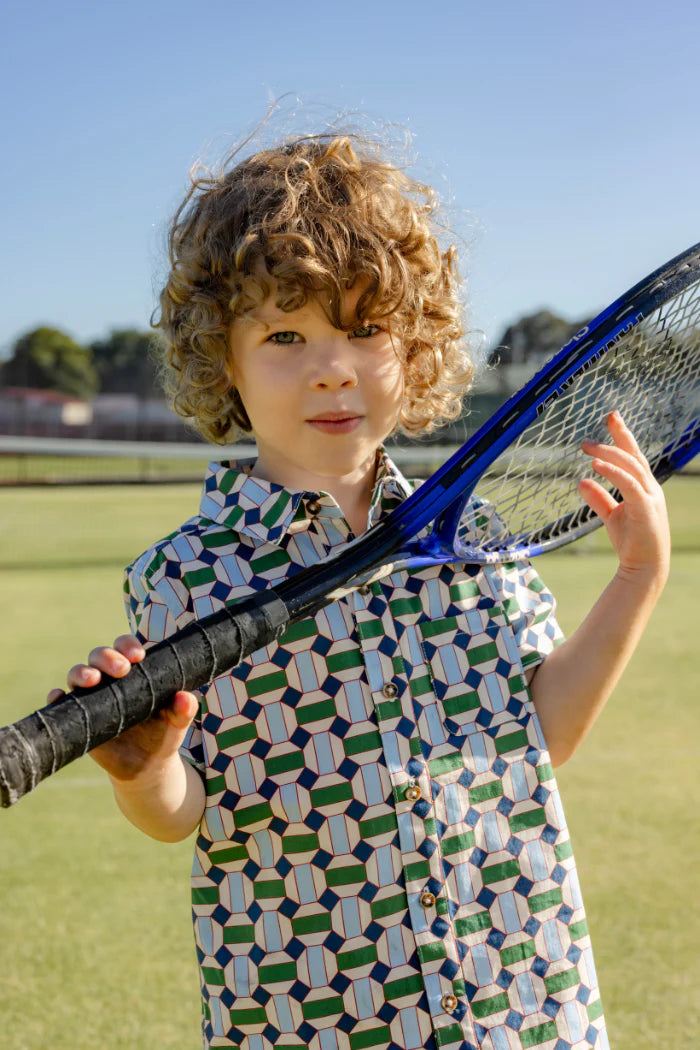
(434, 928)
(425, 879)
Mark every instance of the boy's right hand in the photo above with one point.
(144, 749)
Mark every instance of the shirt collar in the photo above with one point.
(234, 497)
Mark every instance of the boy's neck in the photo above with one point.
(355, 513)
(352, 493)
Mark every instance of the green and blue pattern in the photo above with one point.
(383, 862)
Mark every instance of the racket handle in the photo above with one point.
(42, 743)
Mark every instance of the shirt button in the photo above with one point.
(313, 506)
(427, 899)
(389, 690)
(412, 793)
(449, 1003)
(365, 589)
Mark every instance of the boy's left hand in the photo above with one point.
(638, 526)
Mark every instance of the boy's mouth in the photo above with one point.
(335, 422)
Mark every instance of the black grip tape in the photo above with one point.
(45, 741)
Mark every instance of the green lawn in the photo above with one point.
(25, 469)
(95, 917)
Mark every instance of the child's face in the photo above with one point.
(320, 400)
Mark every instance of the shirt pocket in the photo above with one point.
(475, 669)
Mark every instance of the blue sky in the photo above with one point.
(563, 137)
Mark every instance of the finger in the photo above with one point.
(630, 488)
(638, 469)
(601, 502)
(83, 677)
(109, 660)
(53, 695)
(130, 647)
(182, 709)
(623, 436)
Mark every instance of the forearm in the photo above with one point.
(571, 687)
(167, 803)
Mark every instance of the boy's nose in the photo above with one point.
(332, 367)
(330, 380)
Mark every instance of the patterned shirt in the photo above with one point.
(383, 862)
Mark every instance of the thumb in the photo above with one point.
(181, 711)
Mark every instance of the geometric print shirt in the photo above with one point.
(383, 862)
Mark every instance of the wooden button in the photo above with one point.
(449, 1003)
(365, 589)
(389, 690)
(427, 899)
(313, 507)
(412, 793)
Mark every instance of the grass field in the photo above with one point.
(94, 919)
(28, 469)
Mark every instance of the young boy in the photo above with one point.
(382, 858)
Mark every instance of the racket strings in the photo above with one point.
(651, 375)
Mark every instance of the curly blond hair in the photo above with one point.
(315, 213)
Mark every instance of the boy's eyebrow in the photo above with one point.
(265, 314)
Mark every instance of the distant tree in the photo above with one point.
(534, 336)
(48, 359)
(125, 363)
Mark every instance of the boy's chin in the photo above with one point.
(309, 468)
(340, 464)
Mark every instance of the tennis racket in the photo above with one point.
(641, 355)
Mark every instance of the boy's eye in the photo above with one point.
(283, 338)
(365, 331)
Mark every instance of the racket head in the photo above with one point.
(641, 355)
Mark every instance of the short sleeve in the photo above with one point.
(153, 618)
(530, 609)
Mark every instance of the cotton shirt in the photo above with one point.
(383, 862)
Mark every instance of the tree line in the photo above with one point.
(124, 362)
